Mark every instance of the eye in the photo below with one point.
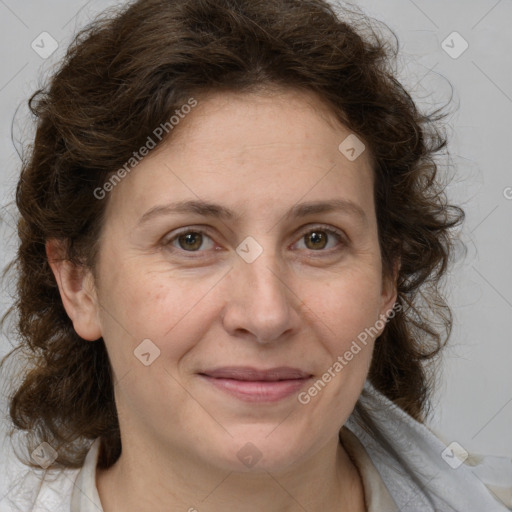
(189, 241)
(317, 238)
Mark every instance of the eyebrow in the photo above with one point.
(214, 210)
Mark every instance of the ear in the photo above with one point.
(389, 291)
(77, 291)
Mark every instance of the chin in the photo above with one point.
(251, 452)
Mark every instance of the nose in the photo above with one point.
(260, 305)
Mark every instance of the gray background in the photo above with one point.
(473, 402)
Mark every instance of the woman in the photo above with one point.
(227, 224)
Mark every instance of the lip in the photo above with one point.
(257, 385)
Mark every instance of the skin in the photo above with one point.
(298, 304)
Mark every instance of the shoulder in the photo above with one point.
(39, 491)
(495, 472)
(422, 472)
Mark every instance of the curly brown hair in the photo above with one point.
(126, 73)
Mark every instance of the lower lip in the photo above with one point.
(258, 391)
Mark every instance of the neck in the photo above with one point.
(140, 482)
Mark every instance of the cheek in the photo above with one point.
(348, 305)
(153, 305)
(350, 309)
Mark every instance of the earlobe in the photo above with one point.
(77, 291)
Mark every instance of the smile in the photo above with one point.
(253, 385)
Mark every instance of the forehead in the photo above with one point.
(256, 148)
(269, 121)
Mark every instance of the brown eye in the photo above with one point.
(190, 240)
(318, 239)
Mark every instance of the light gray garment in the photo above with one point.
(408, 457)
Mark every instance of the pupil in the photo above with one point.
(190, 238)
(316, 237)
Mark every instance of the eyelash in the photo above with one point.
(330, 231)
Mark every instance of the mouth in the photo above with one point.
(257, 385)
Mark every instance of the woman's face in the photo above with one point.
(199, 305)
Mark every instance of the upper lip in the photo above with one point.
(254, 374)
